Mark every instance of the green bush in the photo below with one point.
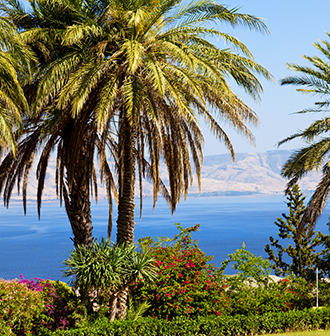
(189, 286)
(287, 294)
(105, 270)
(210, 326)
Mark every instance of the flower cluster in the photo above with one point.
(187, 284)
(27, 306)
(55, 307)
(19, 307)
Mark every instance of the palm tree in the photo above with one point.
(74, 138)
(155, 72)
(314, 79)
(145, 66)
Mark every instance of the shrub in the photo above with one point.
(287, 294)
(187, 285)
(211, 326)
(20, 308)
(61, 305)
(106, 270)
(248, 266)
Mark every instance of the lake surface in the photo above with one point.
(36, 248)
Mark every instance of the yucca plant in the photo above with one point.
(107, 270)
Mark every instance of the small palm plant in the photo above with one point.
(107, 270)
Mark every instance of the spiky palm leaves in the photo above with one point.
(15, 59)
(314, 79)
(108, 270)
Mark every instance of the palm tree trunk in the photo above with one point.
(76, 194)
(79, 210)
(125, 221)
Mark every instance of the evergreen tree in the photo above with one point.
(302, 253)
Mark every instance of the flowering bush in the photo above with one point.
(187, 285)
(27, 306)
(61, 307)
(19, 307)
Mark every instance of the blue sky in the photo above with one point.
(294, 26)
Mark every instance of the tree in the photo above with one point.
(143, 70)
(48, 128)
(151, 67)
(303, 256)
(314, 156)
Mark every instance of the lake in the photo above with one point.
(36, 248)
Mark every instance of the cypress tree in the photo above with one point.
(301, 249)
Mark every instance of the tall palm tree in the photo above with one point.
(75, 139)
(155, 71)
(144, 67)
(313, 79)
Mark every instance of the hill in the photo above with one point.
(252, 173)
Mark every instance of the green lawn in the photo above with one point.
(304, 333)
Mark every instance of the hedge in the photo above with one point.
(210, 326)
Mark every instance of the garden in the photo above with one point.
(173, 289)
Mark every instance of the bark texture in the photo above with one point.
(125, 221)
(76, 193)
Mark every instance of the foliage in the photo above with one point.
(31, 305)
(187, 284)
(249, 266)
(239, 325)
(131, 77)
(61, 305)
(303, 257)
(253, 299)
(21, 309)
(105, 270)
(312, 79)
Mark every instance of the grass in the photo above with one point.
(304, 333)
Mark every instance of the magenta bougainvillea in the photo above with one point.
(187, 284)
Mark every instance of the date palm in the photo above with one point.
(314, 156)
(155, 72)
(144, 70)
(75, 139)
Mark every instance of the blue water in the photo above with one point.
(36, 248)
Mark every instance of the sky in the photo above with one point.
(294, 27)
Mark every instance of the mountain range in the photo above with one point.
(251, 174)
